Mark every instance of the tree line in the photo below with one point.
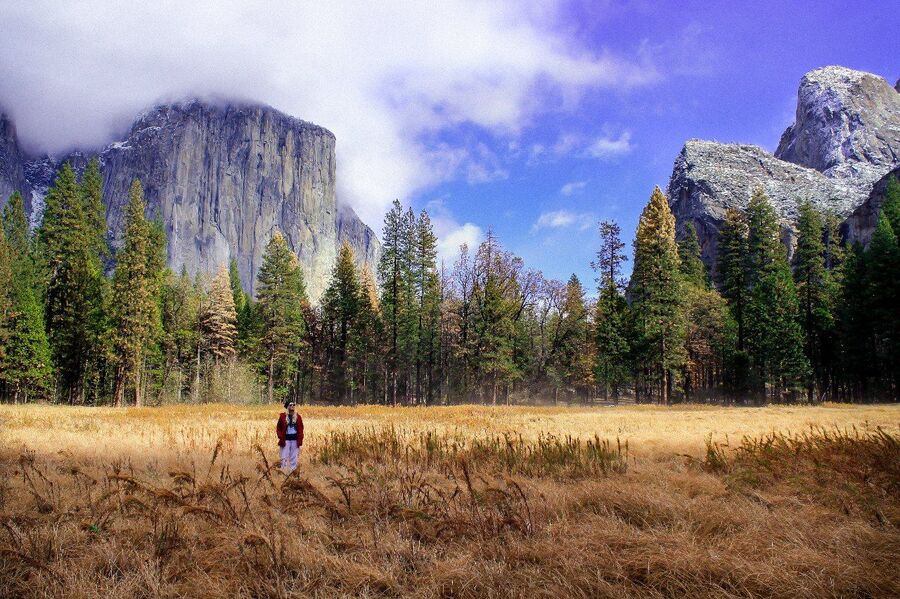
(822, 324)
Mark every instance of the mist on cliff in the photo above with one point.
(387, 78)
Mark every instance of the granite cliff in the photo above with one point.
(223, 178)
(846, 137)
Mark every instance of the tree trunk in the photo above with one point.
(271, 374)
(119, 385)
(138, 383)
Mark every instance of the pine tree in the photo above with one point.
(774, 337)
(882, 286)
(574, 353)
(95, 213)
(494, 326)
(732, 267)
(855, 326)
(281, 299)
(611, 337)
(398, 298)
(816, 291)
(764, 247)
(180, 306)
(428, 296)
(692, 266)
(657, 291)
(134, 298)
(890, 207)
(67, 242)
(26, 365)
(15, 229)
(218, 321)
(341, 307)
(239, 297)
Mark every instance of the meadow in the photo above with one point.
(463, 501)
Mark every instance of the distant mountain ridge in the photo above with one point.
(845, 138)
(222, 178)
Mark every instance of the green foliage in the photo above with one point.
(692, 267)
(612, 347)
(657, 289)
(73, 246)
(135, 289)
(282, 296)
(341, 305)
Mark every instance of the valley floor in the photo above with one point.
(463, 501)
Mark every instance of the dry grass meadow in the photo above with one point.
(187, 501)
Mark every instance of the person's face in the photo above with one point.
(290, 408)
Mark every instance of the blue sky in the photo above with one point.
(727, 71)
(535, 117)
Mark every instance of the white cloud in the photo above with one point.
(450, 233)
(385, 77)
(601, 148)
(572, 187)
(607, 147)
(561, 219)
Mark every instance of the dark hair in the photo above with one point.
(287, 403)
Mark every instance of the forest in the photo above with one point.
(83, 324)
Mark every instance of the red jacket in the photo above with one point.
(281, 429)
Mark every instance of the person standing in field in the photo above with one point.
(290, 436)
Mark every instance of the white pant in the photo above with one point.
(289, 454)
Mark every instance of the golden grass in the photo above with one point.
(451, 502)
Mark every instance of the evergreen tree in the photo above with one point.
(15, 229)
(135, 292)
(855, 325)
(27, 366)
(657, 291)
(573, 353)
(74, 286)
(774, 337)
(341, 309)
(281, 296)
(218, 321)
(237, 291)
(494, 326)
(764, 247)
(94, 211)
(692, 266)
(428, 296)
(611, 336)
(890, 207)
(26, 363)
(815, 288)
(732, 267)
(882, 288)
(180, 306)
(398, 299)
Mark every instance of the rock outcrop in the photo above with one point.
(709, 178)
(847, 125)
(846, 137)
(222, 179)
(12, 163)
(860, 225)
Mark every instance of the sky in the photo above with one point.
(535, 118)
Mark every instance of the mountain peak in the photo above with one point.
(847, 125)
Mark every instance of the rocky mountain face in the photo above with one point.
(846, 137)
(861, 223)
(223, 179)
(12, 163)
